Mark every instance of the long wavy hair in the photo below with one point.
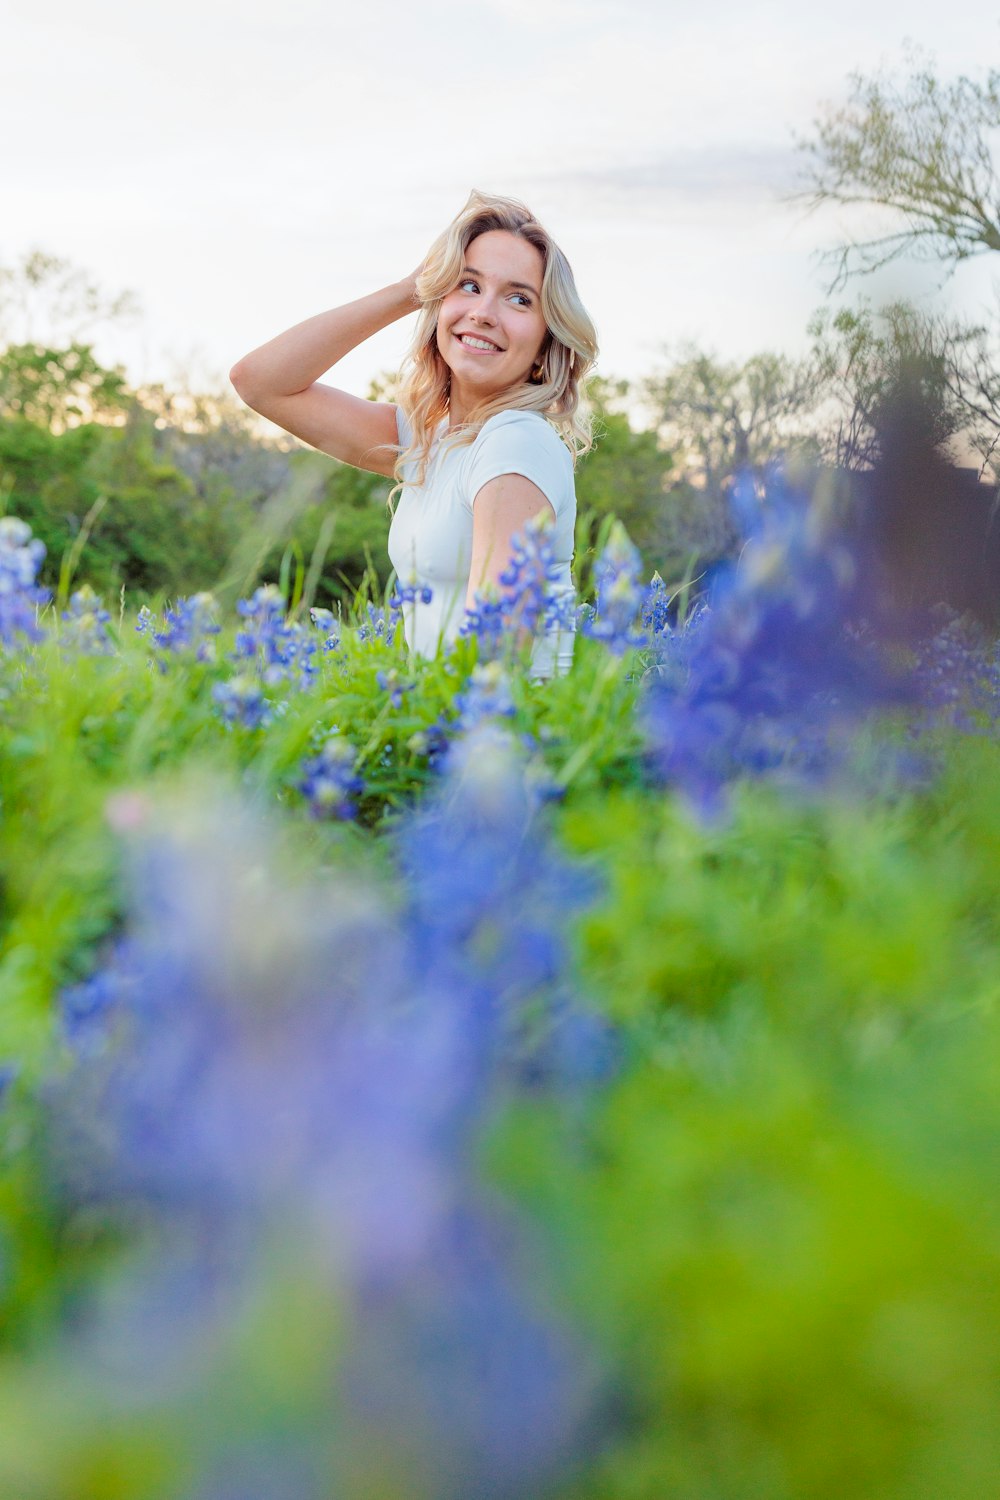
(567, 353)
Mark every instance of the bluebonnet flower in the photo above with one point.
(486, 695)
(655, 612)
(241, 700)
(377, 627)
(327, 623)
(298, 1075)
(955, 671)
(525, 600)
(86, 621)
(86, 1010)
(621, 597)
(432, 741)
(278, 648)
(8, 1076)
(403, 594)
(21, 556)
(770, 678)
(330, 783)
(478, 864)
(189, 627)
(390, 682)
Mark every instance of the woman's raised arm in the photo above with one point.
(280, 380)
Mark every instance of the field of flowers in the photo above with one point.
(421, 1081)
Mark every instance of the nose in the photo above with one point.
(483, 311)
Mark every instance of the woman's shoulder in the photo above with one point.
(529, 427)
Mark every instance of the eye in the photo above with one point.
(467, 282)
(524, 300)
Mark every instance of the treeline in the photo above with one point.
(170, 492)
(162, 509)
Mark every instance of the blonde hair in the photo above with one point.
(568, 351)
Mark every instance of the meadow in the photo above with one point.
(417, 1080)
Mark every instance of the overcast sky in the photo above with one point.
(241, 166)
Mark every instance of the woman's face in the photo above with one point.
(490, 329)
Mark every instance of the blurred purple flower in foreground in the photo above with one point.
(305, 1070)
(770, 678)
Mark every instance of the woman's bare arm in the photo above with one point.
(280, 380)
(499, 511)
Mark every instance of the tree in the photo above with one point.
(624, 475)
(60, 388)
(44, 299)
(719, 418)
(863, 360)
(919, 150)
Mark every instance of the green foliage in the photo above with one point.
(625, 475)
(349, 521)
(775, 1222)
(59, 387)
(165, 530)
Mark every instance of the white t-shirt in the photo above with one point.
(430, 539)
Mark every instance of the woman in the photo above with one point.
(487, 426)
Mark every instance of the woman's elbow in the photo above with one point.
(239, 377)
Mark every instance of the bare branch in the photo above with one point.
(919, 150)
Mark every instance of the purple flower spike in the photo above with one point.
(241, 700)
(621, 597)
(86, 624)
(21, 556)
(278, 648)
(294, 1082)
(771, 677)
(329, 782)
(527, 599)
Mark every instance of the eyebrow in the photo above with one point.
(522, 286)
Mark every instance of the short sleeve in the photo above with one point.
(404, 431)
(521, 443)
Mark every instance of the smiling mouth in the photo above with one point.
(482, 346)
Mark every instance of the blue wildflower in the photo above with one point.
(404, 594)
(190, 625)
(8, 1076)
(21, 556)
(392, 683)
(297, 1076)
(621, 597)
(86, 623)
(769, 677)
(87, 1011)
(656, 607)
(330, 783)
(479, 865)
(241, 700)
(527, 599)
(377, 627)
(955, 671)
(277, 647)
(327, 623)
(486, 695)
